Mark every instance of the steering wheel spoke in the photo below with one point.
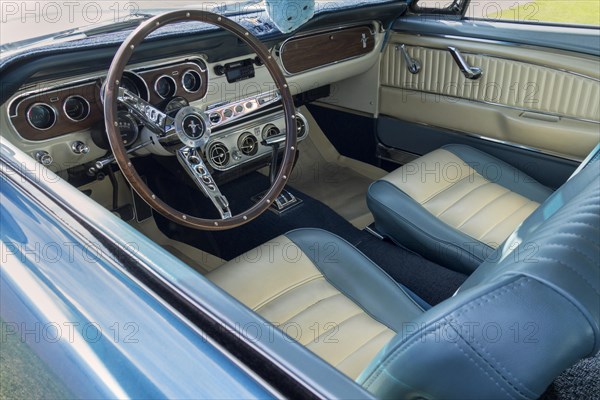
(154, 119)
(193, 164)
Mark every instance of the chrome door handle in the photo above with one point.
(413, 65)
(468, 71)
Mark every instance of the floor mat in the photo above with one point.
(430, 281)
(337, 181)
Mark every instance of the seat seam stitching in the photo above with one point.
(527, 202)
(426, 233)
(339, 324)
(311, 305)
(435, 325)
(286, 290)
(482, 359)
(492, 201)
(451, 186)
(447, 187)
(572, 269)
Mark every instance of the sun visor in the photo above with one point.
(289, 15)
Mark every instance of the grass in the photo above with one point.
(586, 12)
(23, 375)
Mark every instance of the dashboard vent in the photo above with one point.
(270, 130)
(218, 154)
(248, 144)
(301, 130)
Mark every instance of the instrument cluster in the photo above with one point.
(56, 111)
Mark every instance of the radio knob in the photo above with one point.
(219, 70)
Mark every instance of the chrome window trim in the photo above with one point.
(506, 43)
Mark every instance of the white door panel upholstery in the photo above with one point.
(545, 100)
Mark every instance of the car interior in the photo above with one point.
(426, 193)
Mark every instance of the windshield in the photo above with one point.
(22, 20)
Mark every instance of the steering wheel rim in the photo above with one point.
(117, 146)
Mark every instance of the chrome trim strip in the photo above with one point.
(89, 108)
(45, 105)
(502, 43)
(280, 48)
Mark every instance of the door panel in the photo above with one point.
(539, 98)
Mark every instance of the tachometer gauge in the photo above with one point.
(133, 83)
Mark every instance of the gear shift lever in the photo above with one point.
(285, 200)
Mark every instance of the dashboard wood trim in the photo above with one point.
(55, 99)
(90, 91)
(303, 53)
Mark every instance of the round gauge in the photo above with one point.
(41, 116)
(133, 83)
(77, 108)
(174, 105)
(129, 84)
(191, 81)
(165, 86)
(128, 127)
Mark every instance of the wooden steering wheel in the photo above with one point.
(191, 127)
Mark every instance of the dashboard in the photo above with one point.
(60, 122)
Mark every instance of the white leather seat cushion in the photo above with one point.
(459, 196)
(280, 282)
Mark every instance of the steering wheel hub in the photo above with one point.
(192, 127)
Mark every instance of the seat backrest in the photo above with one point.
(528, 312)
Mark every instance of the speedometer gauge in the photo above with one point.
(128, 127)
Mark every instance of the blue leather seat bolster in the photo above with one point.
(499, 335)
(357, 277)
(406, 221)
(500, 172)
(578, 197)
